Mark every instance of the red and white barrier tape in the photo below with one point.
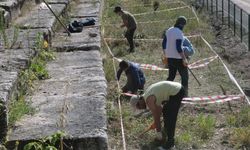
(228, 72)
(152, 12)
(211, 98)
(205, 99)
(119, 100)
(123, 39)
(148, 22)
(202, 62)
(219, 99)
(151, 67)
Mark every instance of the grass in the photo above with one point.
(196, 124)
(35, 71)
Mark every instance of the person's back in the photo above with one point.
(130, 19)
(135, 76)
(172, 35)
(162, 90)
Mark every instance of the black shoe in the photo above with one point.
(131, 50)
(169, 145)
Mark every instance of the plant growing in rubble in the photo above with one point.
(48, 143)
(36, 71)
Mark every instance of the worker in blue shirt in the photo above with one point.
(135, 77)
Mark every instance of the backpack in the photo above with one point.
(77, 26)
(188, 47)
(87, 22)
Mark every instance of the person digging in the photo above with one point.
(165, 98)
(130, 23)
(135, 77)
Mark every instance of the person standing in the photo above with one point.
(165, 98)
(173, 49)
(130, 23)
(135, 77)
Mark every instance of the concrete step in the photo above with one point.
(72, 100)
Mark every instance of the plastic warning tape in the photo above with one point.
(205, 99)
(202, 63)
(150, 22)
(212, 100)
(155, 39)
(151, 67)
(194, 65)
(171, 9)
(232, 78)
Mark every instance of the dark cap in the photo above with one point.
(181, 20)
(117, 9)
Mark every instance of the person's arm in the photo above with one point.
(118, 74)
(156, 111)
(181, 52)
(164, 43)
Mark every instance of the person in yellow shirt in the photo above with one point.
(165, 98)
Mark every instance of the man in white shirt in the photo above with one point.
(173, 50)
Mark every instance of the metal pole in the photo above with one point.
(216, 3)
(212, 3)
(228, 13)
(248, 32)
(57, 17)
(234, 19)
(194, 76)
(207, 5)
(222, 7)
(241, 25)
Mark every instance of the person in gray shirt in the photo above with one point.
(130, 23)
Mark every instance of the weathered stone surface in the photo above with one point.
(6, 17)
(86, 9)
(76, 89)
(26, 38)
(7, 88)
(88, 39)
(41, 18)
(12, 6)
(14, 60)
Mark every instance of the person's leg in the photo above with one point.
(172, 69)
(171, 112)
(183, 71)
(130, 38)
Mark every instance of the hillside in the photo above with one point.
(200, 126)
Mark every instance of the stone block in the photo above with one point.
(87, 9)
(88, 39)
